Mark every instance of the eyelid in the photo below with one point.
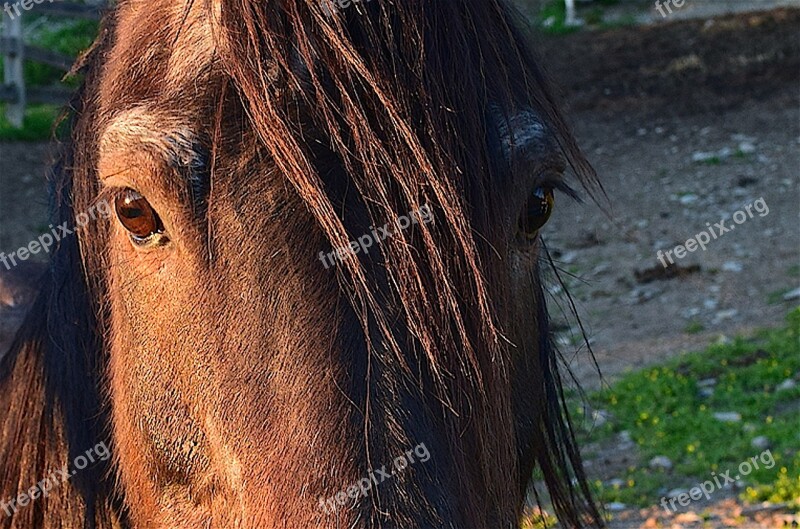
(107, 194)
(553, 179)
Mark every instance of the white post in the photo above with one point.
(571, 19)
(12, 68)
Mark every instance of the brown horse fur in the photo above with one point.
(237, 380)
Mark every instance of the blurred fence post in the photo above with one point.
(13, 88)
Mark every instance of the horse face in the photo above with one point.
(296, 335)
(227, 376)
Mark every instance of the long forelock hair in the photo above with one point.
(401, 92)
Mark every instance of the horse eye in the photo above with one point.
(137, 216)
(537, 212)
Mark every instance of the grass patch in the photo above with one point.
(666, 413)
(622, 22)
(536, 519)
(694, 327)
(552, 18)
(776, 296)
(37, 125)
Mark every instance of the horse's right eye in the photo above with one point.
(138, 217)
(537, 212)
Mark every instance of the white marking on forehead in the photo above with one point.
(143, 128)
(165, 138)
(518, 131)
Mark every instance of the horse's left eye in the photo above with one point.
(137, 216)
(537, 212)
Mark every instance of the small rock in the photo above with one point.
(732, 266)
(661, 462)
(700, 156)
(728, 416)
(786, 385)
(746, 147)
(602, 268)
(743, 137)
(792, 295)
(706, 382)
(674, 493)
(569, 257)
(625, 442)
(760, 443)
(691, 312)
(642, 294)
(725, 315)
(616, 506)
(764, 507)
(710, 304)
(688, 199)
(600, 417)
(706, 393)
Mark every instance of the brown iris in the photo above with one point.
(537, 212)
(137, 216)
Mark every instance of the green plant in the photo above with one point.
(37, 126)
(694, 327)
(666, 413)
(552, 18)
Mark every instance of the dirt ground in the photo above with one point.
(648, 104)
(687, 122)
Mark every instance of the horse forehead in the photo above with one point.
(522, 130)
(160, 46)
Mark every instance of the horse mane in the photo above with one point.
(51, 378)
(400, 93)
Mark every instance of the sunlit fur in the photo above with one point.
(236, 379)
